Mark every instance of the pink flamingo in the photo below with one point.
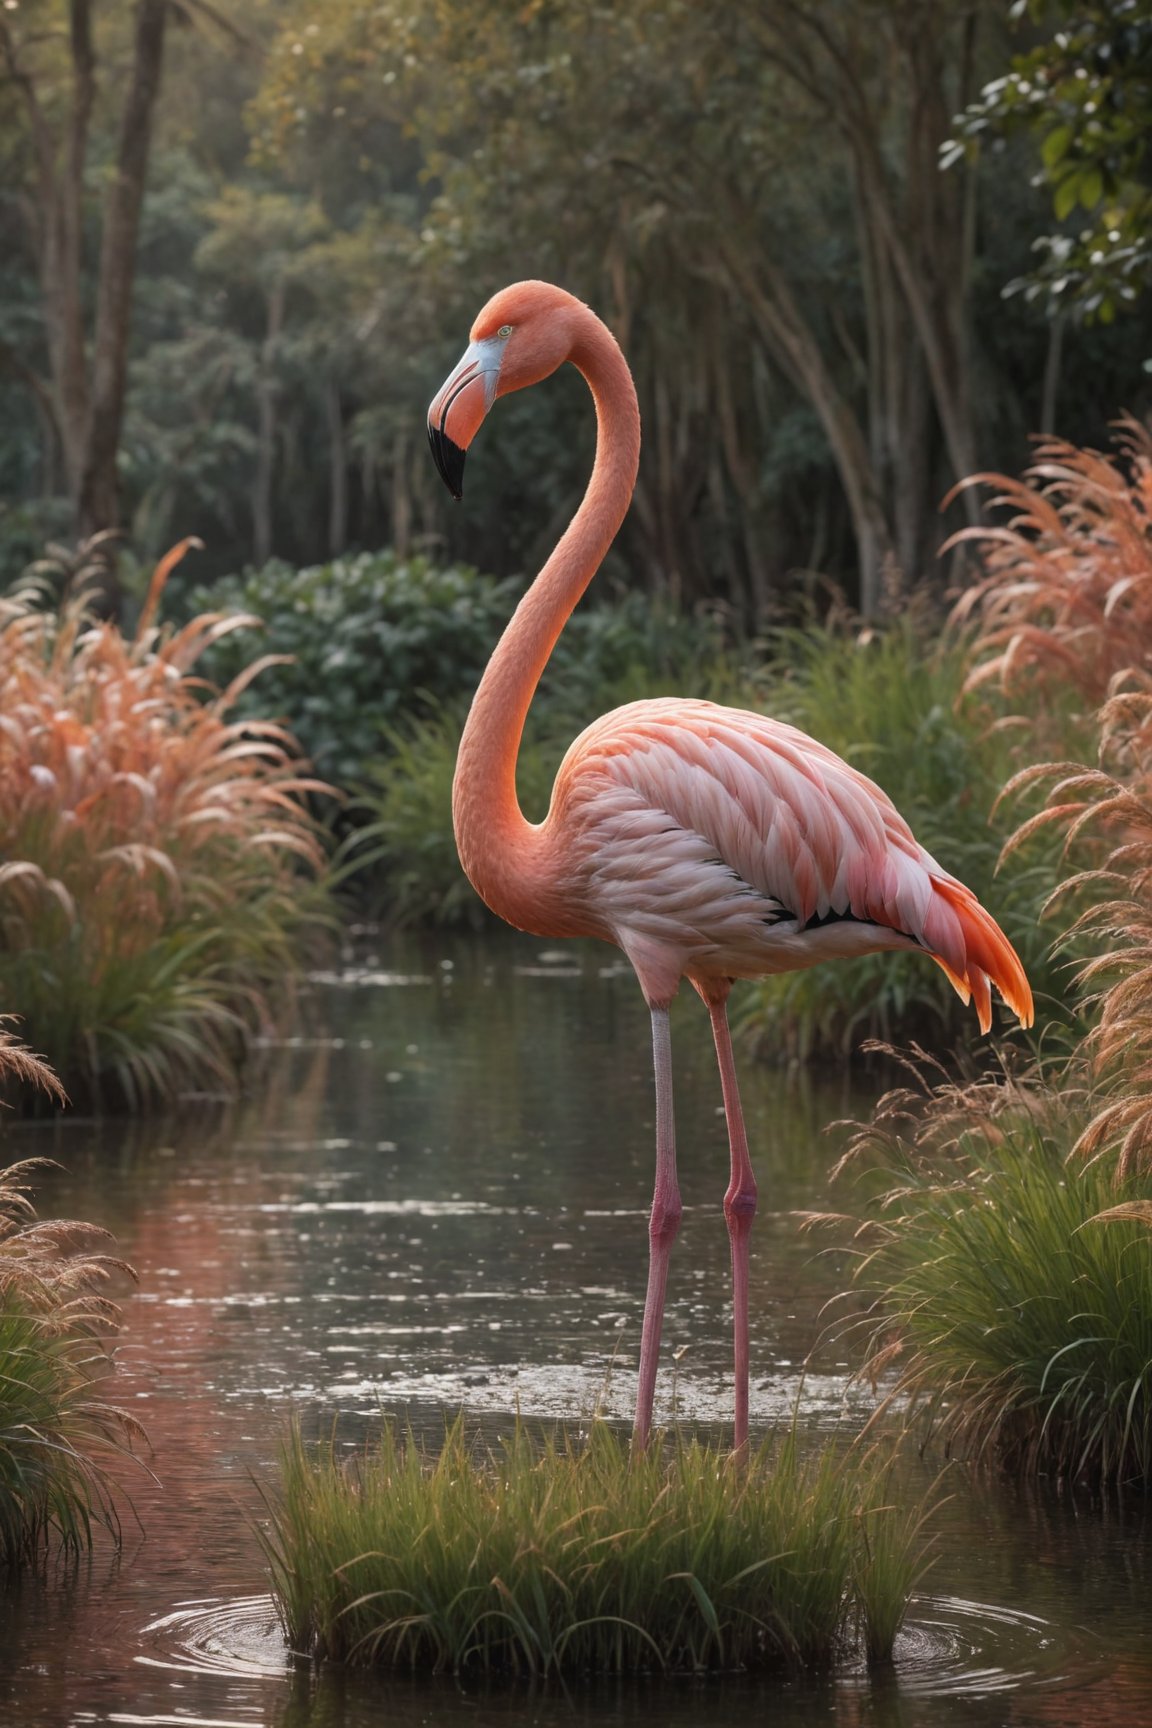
(706, 842)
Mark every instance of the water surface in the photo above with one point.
(442, 1203)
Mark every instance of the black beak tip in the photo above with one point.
(449, 460)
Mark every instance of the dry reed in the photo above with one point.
(157, 853)
(57, 1434)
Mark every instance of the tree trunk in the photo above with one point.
(920, 220)
(54, 219)
(401, 500)
(1051, 386)
(266, 395)
(772, 306)
(97, 502)
(337, 472)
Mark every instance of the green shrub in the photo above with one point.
(577, 1557)
(375, 644)
(372, 640)
(1010, 1289)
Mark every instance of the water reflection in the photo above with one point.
(442, 1200)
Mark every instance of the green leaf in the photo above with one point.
(1055, 146)
(1091, 188)
(1066, 194)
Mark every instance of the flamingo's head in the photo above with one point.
(523, 334)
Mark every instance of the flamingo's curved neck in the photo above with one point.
(495, 842)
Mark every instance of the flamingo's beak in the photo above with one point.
(460, 405)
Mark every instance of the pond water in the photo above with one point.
(442, 1202)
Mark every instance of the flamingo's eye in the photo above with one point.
(504, 330)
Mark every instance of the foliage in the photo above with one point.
(1009, 1291)
(157, 853)
(362, 644)
(750, 197)
(890, 702)
(574, 1557)
(55, 1431)
(1084, 93)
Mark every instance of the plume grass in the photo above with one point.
(1066, 602)
(575, 1557)
(160, 863)
(57, 1433)
(1105, 817)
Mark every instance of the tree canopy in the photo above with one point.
(1083, 92)
(752, 197)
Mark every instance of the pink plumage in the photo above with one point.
(737, 846)
(709, 843)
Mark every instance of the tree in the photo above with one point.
(254, 244)
(701, 151)
(51, 59)
(1083, 92)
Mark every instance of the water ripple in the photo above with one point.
(242, 1636)
(949, 1647)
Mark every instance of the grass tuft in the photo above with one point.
(576, 1557)
(1010, 1288)
(159, 859)
(56, 1433)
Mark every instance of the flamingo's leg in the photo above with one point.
(739, 1210)
(663, 1224)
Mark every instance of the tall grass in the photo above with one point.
(57, 1434)
(1067, 603)
(1105, 814)
(1010, 1295)
(1067, 599)
(575, 1557)
(159, 859)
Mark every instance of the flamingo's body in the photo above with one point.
(708, 843)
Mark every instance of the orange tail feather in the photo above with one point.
(989, 956)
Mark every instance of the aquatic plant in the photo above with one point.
(160, 863)
(573, 1556)
(57, 1434)
(1009, 1285)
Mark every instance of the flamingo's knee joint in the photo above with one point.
(740, 1208)
(664, 1222)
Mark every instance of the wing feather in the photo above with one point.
(707, 804)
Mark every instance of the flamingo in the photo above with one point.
(706, 842)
